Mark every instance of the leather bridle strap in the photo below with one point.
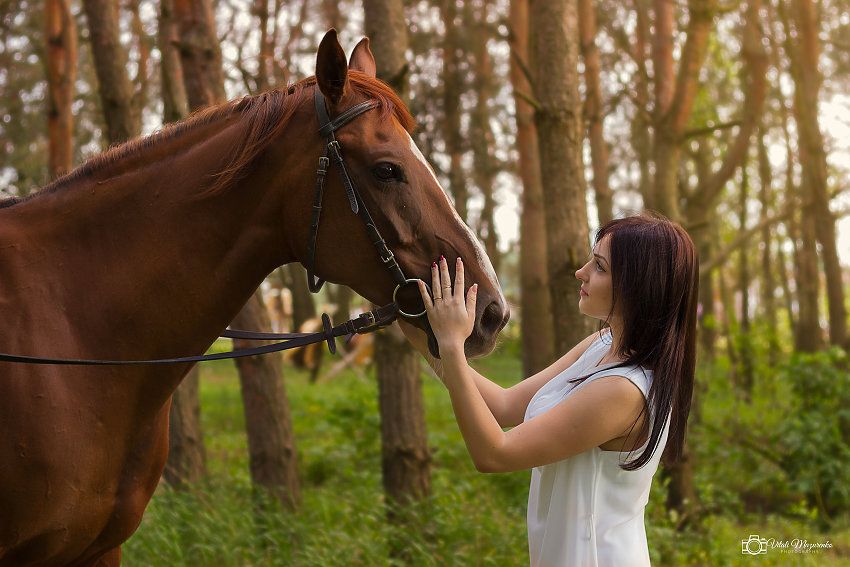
(327, 127)
(363, 323)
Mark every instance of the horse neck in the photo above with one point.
(146, 243)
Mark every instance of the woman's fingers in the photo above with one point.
(459, 278)
(445, 279)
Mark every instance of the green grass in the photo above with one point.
(469, 519)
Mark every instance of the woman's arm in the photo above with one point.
(507, 405)
(603, 410)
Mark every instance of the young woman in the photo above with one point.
(593, 425)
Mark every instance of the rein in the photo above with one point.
(363, 323)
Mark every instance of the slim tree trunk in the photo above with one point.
(484, 141)
(186, 463)
(674, 96)
(807, 80)
(768, 279)
(61, 55)
(559, 132)
(538, 345)
(175, 103)
(593, 111)
(200, 53)
(405, 455)
(271, 441)
(123, 121)
(809, 335)
(453, 85)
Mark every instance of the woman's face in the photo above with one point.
(597, 290)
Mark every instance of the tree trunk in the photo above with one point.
(61, 36)
(484, 141)
(674, 97)
(808, 337)
(200, 53)
(538, 345)
(405, 455)
(768, 279)
(593, 111)
(559, 131)
(805, 55)
(175, 103)
(123, 121)
(186, 463)
(271, 441)
(303, 308)
(452, 89)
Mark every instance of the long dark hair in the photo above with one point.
(655, 278)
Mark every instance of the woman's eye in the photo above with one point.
(599, 267)
(386, 171)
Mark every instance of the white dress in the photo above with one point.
(586, 511)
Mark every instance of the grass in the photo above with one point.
(469, 519)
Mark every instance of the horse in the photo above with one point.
(150, 249)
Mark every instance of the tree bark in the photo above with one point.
(593, 111)
(123, 121)
(175, 103)
(405, 455)
(559, 131)
(808, 337)
(453, 86)
(200, 53)
(271, 440)
(674, 97)
(61, 36)
(484, 141)
(805, 55)
(538, 345)
(186, 463)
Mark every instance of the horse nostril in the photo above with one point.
(493, 319)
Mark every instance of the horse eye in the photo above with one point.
(386, 171)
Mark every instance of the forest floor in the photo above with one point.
(470, 519)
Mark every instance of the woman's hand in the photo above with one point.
(452, 316)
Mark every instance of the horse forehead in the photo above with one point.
(482, 258)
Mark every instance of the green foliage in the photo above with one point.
(815, 436)
(744, 480)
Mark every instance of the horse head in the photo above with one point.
(411, 210)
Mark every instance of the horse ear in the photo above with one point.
(331, 69)
(362, 59)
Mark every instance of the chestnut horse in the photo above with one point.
(149, 250)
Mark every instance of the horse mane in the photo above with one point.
(265, 115)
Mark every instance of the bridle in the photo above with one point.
(327, 127)
(363, 323)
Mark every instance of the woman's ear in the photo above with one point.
(331, 68)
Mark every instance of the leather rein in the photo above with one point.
(363, 323)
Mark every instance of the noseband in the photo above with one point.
(327, 127)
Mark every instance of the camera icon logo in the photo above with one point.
(754, 546)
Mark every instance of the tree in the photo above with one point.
(537, 352)
(559, 131)
(61, 36)
(405, 455)
(593, 111)
(271, 445)
(117, 97)
(804, 51)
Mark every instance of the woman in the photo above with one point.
(593, 425)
